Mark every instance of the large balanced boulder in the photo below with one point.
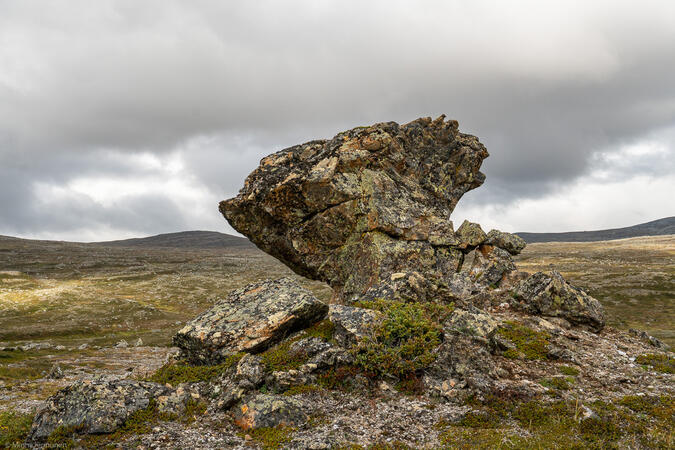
(550, 295)
(368, 203)
(94, 407)
(250, 319)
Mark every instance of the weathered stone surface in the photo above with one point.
(408, 286)
(352, 325)
(470, 235)
(512, 243)
(368, 203)
(474, 323)
(95, 407)
(235, 384)
(551, 295)
(251, 319)
(490, 265)
(266, 410)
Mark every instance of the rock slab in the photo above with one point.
(250, 319)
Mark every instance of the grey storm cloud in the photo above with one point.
(547, 86)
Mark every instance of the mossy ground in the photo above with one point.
(177, 373)
(659, 362)
(14, 427)
(528, 343)
(504, 423)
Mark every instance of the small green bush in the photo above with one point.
(404, 342)
(272, 437)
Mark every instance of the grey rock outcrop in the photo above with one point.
(251, 319)
(94, 407)
(550, 295)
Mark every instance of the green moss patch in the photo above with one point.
(631, 422)
(404, 342)
(272, 437)
(568, 370)
(528, 343)
(14, 428)
(659, 362)
(175, 374)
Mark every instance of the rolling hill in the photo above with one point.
(658, 227)
(184, 239)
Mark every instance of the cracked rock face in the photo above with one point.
(250, 320)
(368, 203)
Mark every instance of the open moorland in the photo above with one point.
(72, 311)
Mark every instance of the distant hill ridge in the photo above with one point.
(184, 239)
(658, 227)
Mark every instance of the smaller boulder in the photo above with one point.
(470, 235)
(550, 295)
(352, 324)
(94, 407)
(265, 410)
(512, 243)
(251, 320)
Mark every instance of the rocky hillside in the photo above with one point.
(658, 227)
(433, 337)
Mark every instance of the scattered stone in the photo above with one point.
(371, 202)
(512, 243)
(551, 295)
(83, 346)
(94, 407)
(352, 324)
(139, 343)
(265, 410)
(122, 344)
(55, 373)
(251, 319)
(651, 340)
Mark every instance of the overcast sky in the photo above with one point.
(129, 118)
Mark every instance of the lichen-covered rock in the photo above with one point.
(490, 265)
(512, 243)
(474, 323)
(251, 319)
(460, 286)
(368, 203)
(410, 286)
(352, 325)
(94, 407)
(265, 410)
(235, 384)
(470, 235)
(551, 295)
